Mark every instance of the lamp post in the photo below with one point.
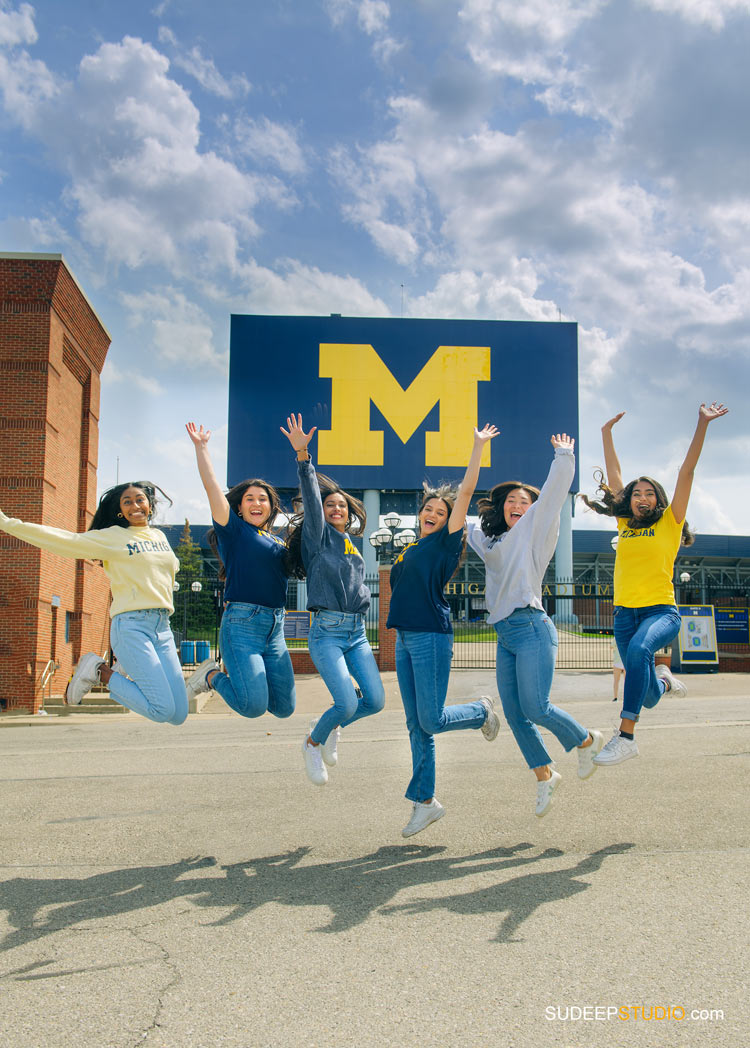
(387, 540)
(684, 579)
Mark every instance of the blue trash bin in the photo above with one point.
(202, 650)
(187, 653)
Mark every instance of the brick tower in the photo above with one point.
(52, 350)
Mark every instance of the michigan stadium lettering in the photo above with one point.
(460, 588)
(358, 376)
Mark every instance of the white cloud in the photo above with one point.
(113, 375)
(263, 139)
(373, 18)
(709, 12)
(294, 288)
(17, 27)
(178, 331)
(204, 69)
(128, 137)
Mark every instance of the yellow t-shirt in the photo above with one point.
(645, 562)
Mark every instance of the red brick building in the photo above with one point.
(52, 350)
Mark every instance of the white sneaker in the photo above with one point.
(314, 766)
(544, 791)
(491, 725)
(330, 747)
(84, 678)
(586, 766)
(675, 686)
(422, 816)
(616, 751)
(196, 682)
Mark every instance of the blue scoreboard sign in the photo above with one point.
(396, 401)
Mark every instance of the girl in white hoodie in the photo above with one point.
(516, 540)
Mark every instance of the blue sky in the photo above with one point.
(579, 159)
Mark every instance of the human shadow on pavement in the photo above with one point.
(351, 888)
(518, 897)
(354, 888)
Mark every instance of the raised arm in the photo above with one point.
(468, 485)
(297, 436)
(611, 461)
(687, 469)
(313, 525)
(217, 500)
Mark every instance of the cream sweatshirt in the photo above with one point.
(139, 562)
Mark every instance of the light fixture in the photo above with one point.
(175, 585)
(196, 587)
(392, 520)
(684, 577)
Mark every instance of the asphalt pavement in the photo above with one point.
(189, 888)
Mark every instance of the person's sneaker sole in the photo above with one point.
(591, 752)
(330, 748)
(317, 776)
(676, 687)
(491, 726)
(196, 683)
(82, 681)
(555, 780)
(619, 759)
(434, 817)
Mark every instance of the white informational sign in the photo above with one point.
(697, 636)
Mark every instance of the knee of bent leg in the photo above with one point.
(375, 700)
(429, 722)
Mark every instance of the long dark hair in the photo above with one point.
(447, 494)
(492, 509)
(357, 515)
(234, 498)
(617, 504)
(108, 511)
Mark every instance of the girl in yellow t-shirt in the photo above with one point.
(650, 531)
(141, 568)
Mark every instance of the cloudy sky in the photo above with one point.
(583, 160)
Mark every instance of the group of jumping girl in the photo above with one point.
(515, 538)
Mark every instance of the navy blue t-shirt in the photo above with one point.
(418, 579)
(253, 562)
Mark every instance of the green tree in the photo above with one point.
(188, 553)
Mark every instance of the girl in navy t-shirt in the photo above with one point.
(424, 642)
(260, 677)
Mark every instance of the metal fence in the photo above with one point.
(582, 613)
(298, 619)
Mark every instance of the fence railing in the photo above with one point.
(582, 615)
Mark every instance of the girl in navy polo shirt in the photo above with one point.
(260, 677)
(424, 641)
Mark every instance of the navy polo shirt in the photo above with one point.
(253, 562)
(418, 579)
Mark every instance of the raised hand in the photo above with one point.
(296, 434)
(611, 422)
(711, 412)
(200, 437)
(562, 440)
(481, 436)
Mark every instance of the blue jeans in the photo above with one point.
(340, 650)
(639, 632)
(144, 646)
(260, 676)
(423, 665)
(526, 651)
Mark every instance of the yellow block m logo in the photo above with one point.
(359, 376)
